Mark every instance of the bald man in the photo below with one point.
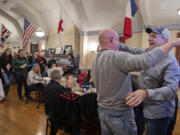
(110, 73)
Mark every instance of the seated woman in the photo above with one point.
(82, 76)
(88, 80)
(51, 61)
(51, 67)
(70, 80)
(34, 79)
(60, 103)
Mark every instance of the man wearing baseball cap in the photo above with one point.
(160, 84)
(165, 34)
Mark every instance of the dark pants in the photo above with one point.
(54, 126)
(36, 87)
(173, 120)
(139, 118)
(69, 124)
(21, 78)
(157, 126)
(6, 89)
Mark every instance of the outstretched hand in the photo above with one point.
(135, 98)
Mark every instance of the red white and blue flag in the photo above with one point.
(28, 30)
(5, 33)
(131, 10)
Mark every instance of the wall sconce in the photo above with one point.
(40, 32)
(178, 11)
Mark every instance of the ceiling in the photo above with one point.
(87, 15)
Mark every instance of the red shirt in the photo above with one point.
(81, 78)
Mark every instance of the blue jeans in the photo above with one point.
(7, 79)
(114, 122)
(157, 126)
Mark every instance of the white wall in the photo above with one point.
(88, 46)
(70, 36)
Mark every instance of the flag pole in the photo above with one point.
(63, 9)
(137, 3)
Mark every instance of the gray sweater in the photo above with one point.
(110, 73)
(161, 83)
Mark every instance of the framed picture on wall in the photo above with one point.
(68, 49)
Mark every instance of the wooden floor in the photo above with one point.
(18, 118)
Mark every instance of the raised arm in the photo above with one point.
(126, 48)
(128, 62)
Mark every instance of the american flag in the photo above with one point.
(5, 33)
(28, 30)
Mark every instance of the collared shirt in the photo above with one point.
(161, 83)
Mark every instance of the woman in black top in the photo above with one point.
(6, 70)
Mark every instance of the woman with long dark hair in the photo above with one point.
(6, 70)
(72, 65)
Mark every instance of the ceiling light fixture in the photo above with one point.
(40, 32)
(178, 11)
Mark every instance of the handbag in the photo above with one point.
(1, 91)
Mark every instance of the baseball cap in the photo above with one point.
(159, 30)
